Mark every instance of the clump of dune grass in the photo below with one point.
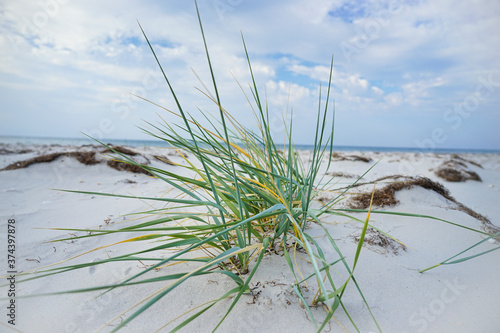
(246, 197)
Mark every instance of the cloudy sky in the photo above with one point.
(407, 73)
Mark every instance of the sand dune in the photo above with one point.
(452, 298)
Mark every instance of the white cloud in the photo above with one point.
(422, 54)
(417, 91)
(320, 73)
(283, 93)
(394, 99)
(356, 81)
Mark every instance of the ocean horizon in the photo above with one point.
(159, 143)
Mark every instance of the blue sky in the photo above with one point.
(407, 73)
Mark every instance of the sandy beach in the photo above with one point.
(461, 188)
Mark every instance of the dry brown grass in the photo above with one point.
(85, 157)
(5, 151)
(341, 175)
(456, 170)
(354, 158)
(164, 159)
(457, 175)
(385, 197)
(122, 166)
(459, 158)
(119, 149)
(380, 242)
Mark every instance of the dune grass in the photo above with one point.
(246, 196)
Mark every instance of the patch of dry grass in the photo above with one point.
(380, 242)
(385, 197)
(119, 149)
(354, 158)
(121, 166)
(456, 170)
(84, 157)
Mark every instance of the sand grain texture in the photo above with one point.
(453, 298)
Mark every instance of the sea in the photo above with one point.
(159, 143)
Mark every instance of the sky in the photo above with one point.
(418, 74)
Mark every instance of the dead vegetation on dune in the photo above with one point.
(90, 158)
(339, 174)
(456, 170)
(84, 157)
(353, 158)
(34, 160)
(5, 151)
(385, 197)
(381, 243)
(456, 175)
(122, 166)
(459, 158)
(119, 149)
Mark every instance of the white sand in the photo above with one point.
(453, 298)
